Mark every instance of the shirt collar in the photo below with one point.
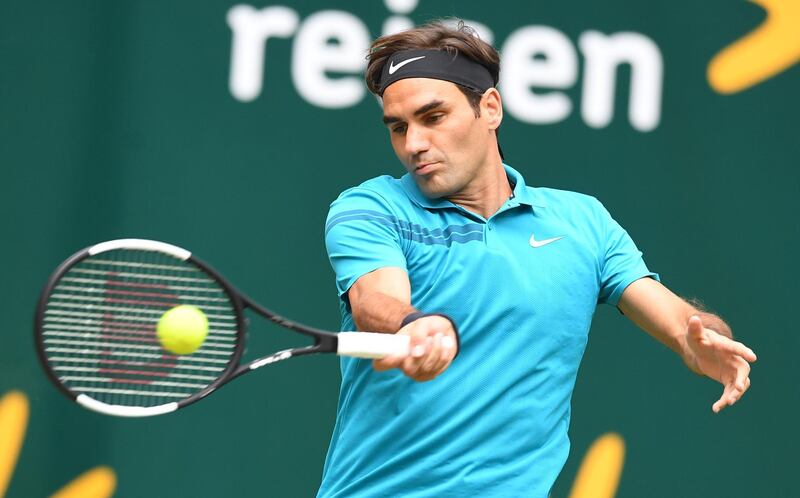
(522, 193)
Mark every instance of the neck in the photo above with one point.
(486, 194)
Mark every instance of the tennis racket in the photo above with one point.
(96, 319)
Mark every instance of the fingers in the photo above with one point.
(387, 363)
(719, 405)
(740, 381)
(738, 349)
(437, 358)
(416, 346)
(708, 337)
(696, 330)
(736, 387)
(417, 367)
(432, 348)
(722, 359)
(433, 355)
(695, 323)
(730, 395)
(731, 347)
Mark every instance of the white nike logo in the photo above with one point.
(393, 68)
(540, 243)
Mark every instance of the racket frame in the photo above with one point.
(324, 341)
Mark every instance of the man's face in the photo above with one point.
(436, 135)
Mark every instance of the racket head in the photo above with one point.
(95, 325)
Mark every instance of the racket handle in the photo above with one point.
(372, 344)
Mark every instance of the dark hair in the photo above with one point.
(461, 39)
(435, 35)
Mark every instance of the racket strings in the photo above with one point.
(99, 328)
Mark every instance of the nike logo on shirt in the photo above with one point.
(393, 68)
(539, 243)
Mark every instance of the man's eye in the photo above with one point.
(399, 129)
(433, 118)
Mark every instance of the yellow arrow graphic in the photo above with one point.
(771, 48)
(601, 468)
(13, 421)
(99, 482)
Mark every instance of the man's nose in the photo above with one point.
(416, 140)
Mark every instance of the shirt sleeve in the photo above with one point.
(362, 234)
(621, 261)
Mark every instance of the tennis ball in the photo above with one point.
(182, 329)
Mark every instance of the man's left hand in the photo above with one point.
(722, 359)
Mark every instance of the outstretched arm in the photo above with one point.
(703, 340)
(380, 300)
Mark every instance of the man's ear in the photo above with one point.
(492, 108)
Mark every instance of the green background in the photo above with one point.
(116, 120)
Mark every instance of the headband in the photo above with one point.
(438, 65)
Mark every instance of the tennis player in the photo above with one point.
(495, 282)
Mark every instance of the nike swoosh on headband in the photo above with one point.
(393, 68)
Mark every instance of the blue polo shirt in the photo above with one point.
(494, 424)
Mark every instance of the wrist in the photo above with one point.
(687, 353)
(691, 363)
(416, 315)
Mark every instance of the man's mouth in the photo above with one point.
(425, 168)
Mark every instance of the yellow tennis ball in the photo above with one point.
(182, 329)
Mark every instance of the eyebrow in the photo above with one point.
(422, 110)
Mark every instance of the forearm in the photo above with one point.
(380, 300)
(659, 312)
(665, 316)
(378, 312)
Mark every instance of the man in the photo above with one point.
(495, 283)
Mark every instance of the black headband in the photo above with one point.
(438, 65)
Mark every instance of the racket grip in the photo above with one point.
(372, 344)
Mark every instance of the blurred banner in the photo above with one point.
(229, 128)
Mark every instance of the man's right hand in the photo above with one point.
(432, 349)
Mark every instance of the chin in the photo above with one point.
(431, 189)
